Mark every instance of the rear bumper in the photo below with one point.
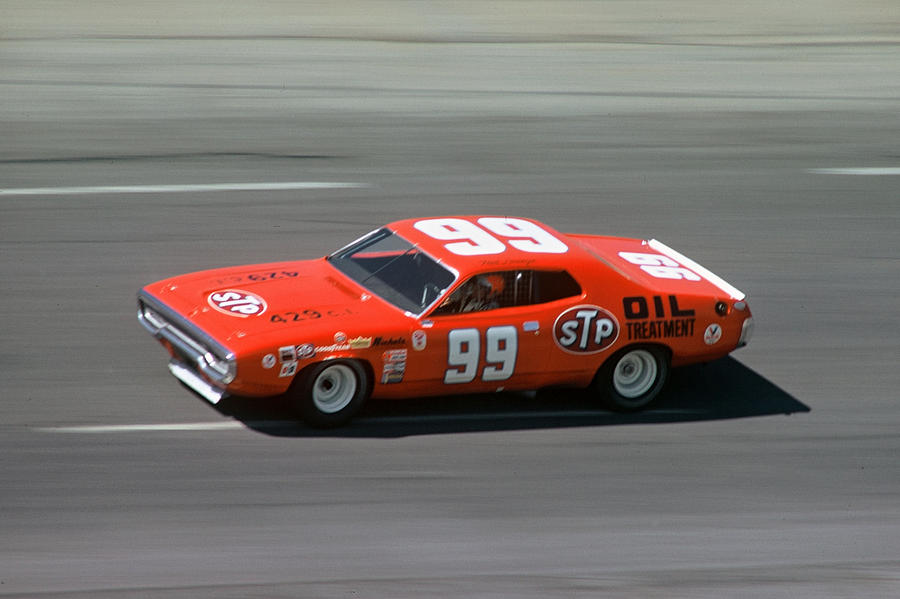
(198, 360)
(746, 332)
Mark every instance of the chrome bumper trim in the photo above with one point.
(204, 354)
(201, 387)
(746, 332)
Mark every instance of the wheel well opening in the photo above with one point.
(304, 372)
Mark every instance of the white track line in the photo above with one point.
(142, 428)
(198, 188)
(862, 171)
(236, 425)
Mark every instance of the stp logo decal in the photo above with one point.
(585, 330)
(235, 302)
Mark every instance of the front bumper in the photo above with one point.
(198, 360)
(187, 376)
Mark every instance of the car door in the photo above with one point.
(506, 343)
(493, 350)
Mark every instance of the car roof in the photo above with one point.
(507, 258)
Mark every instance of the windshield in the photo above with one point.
(394, 269)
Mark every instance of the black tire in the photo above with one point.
(329, 394)
(631, 379)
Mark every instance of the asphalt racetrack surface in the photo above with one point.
(142, 140)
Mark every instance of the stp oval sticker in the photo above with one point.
(235, 302)
(585, 329)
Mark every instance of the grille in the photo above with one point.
(197, 350)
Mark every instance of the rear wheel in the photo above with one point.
(633, 378)
(331, 393)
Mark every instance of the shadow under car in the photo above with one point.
(719, 390)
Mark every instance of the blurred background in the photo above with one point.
(758, 138)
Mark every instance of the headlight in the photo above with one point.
(150, 319)
(221, 370)
(231, 372)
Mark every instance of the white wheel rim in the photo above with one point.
(334, 389)
(635, 374)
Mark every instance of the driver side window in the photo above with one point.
(486, 291)
(504, 289)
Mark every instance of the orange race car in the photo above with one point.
(438, 306)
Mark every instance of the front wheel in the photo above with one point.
(631, 379)
(331, 393)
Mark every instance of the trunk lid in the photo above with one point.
(656, 266)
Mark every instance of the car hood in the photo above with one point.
(237, 304)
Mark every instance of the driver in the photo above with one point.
(483, 293)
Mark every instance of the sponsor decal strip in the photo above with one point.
(288, 369)
(332, 348)
(393, 366)
(662, 248)
(197, 188)
(679, 324)
(661, 329)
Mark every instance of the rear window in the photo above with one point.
(549, 286)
